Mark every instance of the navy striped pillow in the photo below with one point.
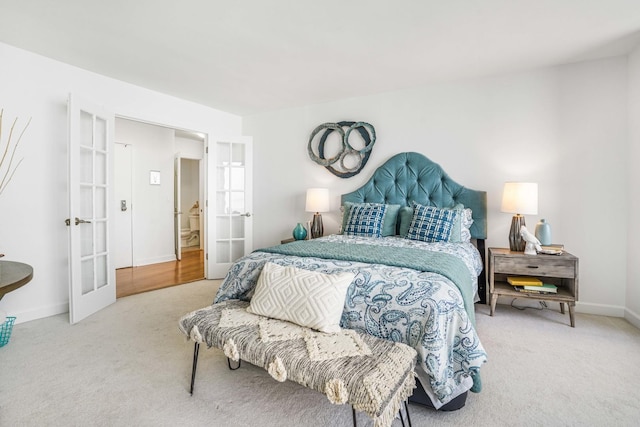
(365, 220)
(431, 224)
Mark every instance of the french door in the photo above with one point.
(90, 165)
(232, 204)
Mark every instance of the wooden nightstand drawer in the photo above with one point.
(539, 265)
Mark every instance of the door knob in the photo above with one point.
(77, 221)
(247, 214)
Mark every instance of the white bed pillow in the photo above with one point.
(461, 231)
(307, 298)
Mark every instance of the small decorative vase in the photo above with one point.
(299, 233)
(543, 232)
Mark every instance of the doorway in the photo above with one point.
(146, 233)
(188, 199)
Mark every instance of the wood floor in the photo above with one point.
(134, 280)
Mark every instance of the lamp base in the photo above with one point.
(516, 242)
(317, 229)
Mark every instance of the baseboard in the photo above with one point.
(632, 317)
(40, 313)
(600, 309)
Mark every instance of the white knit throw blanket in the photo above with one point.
(374, 375)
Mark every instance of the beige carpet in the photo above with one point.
(129, 366)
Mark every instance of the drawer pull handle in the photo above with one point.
(532, 266)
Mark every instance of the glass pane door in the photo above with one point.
(90, 152)
(232, 204)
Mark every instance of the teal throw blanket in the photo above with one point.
(445, 264)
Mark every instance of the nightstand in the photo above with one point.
(289, 240)
(560, 270)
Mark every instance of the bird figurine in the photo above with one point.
(532, 245)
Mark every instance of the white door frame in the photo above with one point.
(177, 205)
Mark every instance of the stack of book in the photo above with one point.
(531, 285)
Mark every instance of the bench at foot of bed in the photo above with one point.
(373, 375)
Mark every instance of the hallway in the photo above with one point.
(134, 280)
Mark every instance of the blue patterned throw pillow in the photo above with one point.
(365, 220)
(389, 222)
(431, 224)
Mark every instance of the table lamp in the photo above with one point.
(317, 201)
(519, 198)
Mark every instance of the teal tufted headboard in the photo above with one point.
(406, 177)
(411, 176)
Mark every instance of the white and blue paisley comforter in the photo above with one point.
(423, 309)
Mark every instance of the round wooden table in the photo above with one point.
(13, 275)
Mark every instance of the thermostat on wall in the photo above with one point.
(154, 177)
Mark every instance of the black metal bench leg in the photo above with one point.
(229, 364)
(196, 349)
(406, 409)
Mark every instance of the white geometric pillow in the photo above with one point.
(307, 298)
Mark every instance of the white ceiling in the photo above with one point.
(252, 56)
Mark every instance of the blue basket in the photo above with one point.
(5, 330)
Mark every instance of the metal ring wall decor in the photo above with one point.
(366, 131)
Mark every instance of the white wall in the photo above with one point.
(592, 190)
(34, 206)
(189, 148)
(633, 267)
(563, 127)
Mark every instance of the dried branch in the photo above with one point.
(9, 168)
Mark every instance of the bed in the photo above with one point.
(414, 239)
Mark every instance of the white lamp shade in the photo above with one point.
(520, 198)
(317, 200)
